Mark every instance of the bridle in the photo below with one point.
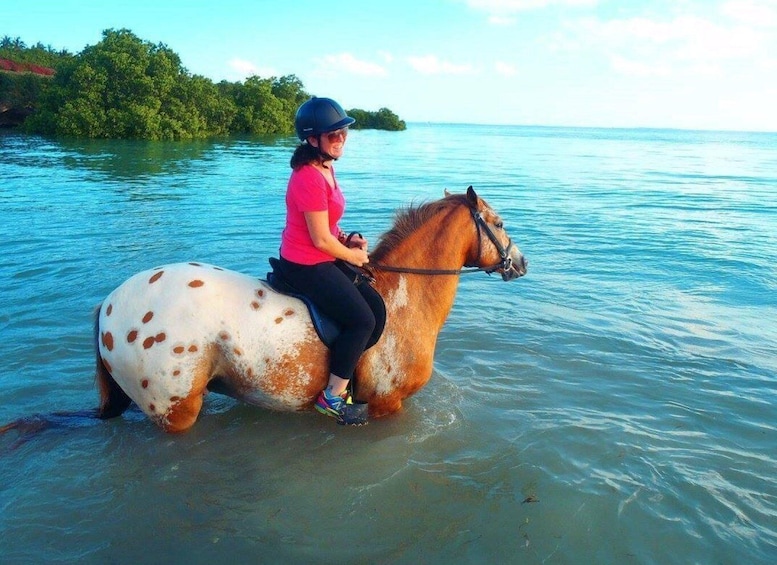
(505, 263)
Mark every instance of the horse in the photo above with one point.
(167, 336)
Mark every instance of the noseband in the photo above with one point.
(506, 262)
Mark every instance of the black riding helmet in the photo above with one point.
(320, 115)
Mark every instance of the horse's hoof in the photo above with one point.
(355, 414)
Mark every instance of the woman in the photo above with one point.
(314, 254)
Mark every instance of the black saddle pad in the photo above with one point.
(326, 328)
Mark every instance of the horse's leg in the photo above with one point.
(182, 415)
(113, 400)
(384, 405)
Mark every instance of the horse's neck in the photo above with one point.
(412, 299)
(417, 306)
(421, 298)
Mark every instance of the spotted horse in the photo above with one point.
(168, 335)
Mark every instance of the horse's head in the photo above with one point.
(493, 249)
(460, 226)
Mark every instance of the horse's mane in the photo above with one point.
(408, 220)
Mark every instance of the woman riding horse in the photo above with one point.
(314, 251)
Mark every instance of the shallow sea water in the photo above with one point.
(616, 405)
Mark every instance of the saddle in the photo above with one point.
(326, 328)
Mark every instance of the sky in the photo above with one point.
(686, 64)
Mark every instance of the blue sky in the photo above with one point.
(691, 64)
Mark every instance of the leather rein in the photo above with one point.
(506, 262)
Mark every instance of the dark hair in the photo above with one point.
(305, 154)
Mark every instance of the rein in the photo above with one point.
(504, 253)
(417, 271)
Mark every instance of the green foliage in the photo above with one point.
(382, 119)
(121, 87)
(21, 90)
(259, 110)
(124, 87)
(39, 54)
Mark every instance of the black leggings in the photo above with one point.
(330, 286)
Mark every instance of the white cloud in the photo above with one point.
(513, 6)
(638, 69)
(702, 40)
(690, 36)
(345, 62)
(501, 20)
(751, 12)
(505, 69)
(431, 65)
(502, 12)
(688, 43)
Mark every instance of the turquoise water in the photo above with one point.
(616, 405)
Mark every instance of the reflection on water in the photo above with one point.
(132, 159)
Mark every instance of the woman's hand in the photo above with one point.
(358, 257)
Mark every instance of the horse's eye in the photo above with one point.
(499, 225)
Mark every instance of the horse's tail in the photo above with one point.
(113, 400)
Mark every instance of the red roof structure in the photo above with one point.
(8, 65)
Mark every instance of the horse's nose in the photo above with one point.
(517, 268)
(521, 265)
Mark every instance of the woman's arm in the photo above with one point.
(318, 227)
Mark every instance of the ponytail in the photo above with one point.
(304, 154)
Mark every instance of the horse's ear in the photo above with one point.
(446, 193)
(472, 196)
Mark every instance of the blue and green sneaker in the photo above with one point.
(333, 406)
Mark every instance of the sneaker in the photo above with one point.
(333, 406)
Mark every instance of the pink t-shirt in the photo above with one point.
(309, 191)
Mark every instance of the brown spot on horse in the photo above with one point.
(108, 340)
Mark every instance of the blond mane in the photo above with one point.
(409, 219)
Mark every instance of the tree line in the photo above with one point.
(125, 87)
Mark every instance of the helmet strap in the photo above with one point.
(324, 155)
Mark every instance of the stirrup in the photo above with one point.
(355, 413)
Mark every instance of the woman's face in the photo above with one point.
(333, 142)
